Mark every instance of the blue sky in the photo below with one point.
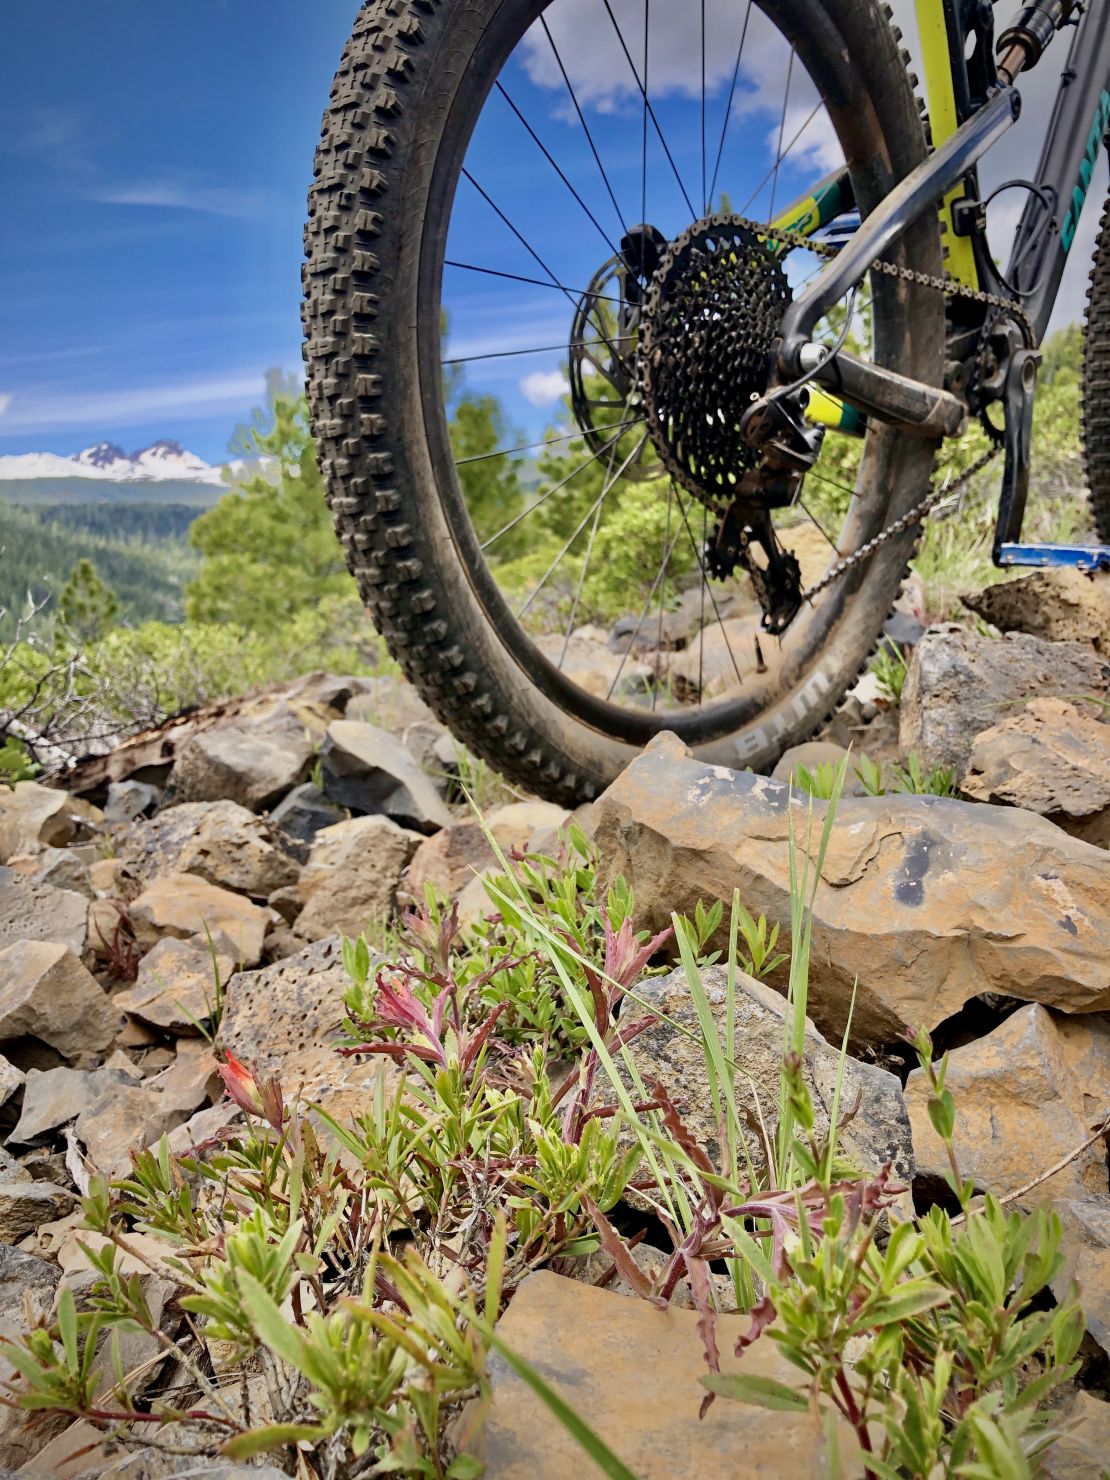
(154, 161)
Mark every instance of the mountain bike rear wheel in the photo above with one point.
(420, 188)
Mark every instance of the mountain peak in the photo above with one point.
(163, 448)
(101, 455)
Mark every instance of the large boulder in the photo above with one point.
(960, 684)
(46, 993)
(634, 1371)
(252, 766)
(185, 906)
(33, 911)
(351, 880)
(671, 1051)
(368, 771)
(1050, 758)
(1060, 605)
(925, 901)
(219, 841)
(285, 1020)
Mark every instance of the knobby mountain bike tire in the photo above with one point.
(413, 81)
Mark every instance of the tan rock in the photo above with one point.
(670, 1051)
(1022, 1105)
(449, 860)
(46, 993)
(219, 841)
(634, 1372)
(721, 657)
(961, 684)
(53, 1097)
(593, 667)
(526, 825)
(1082, 1452)
(1051, 758)
(25, 1206)
(111, 878)
(125, 1118)
(254, 767)
(33, 911)
(285, 1020)
(184, 905)
(177, 986)
(352, 876)
(33, 816)
(927, 901)
(1086, 1247)
(1060, 605)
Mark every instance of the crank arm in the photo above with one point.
(921, 188)
(913, 407)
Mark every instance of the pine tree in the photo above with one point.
(88, 608)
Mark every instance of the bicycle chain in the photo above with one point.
(950, 288)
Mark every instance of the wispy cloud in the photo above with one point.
(45, 410)
(175, 195)
(5, 402)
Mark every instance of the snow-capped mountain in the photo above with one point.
(161, 462)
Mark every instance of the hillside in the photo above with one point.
(81, 490)
(145, 560)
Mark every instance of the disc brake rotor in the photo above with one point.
(714, 307)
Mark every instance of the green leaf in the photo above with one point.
(67, 1329)
(268, 1323)
(466, 1467)
(907, 1301)
(763, 1392)
(276, 1435)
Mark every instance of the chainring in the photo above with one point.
(712, 313)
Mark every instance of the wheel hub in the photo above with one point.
(710, 317)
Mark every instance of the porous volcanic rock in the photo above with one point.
(46, 993)
(33, 911)
(185, 905)
(254, 767)
(928, 902)
(670, 1051)
(368, 771)
(351, 880)
(285, 1020)
(1051, 758)
(1060, 605)
(219, 841)
(635, 1371)
(960, 684)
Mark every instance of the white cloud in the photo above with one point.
(211, 200)
(46, 409)
(5, 402)
(544, 387)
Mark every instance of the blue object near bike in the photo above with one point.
(1070, 557)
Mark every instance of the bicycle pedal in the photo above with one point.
(1088, 558)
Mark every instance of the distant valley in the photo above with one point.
(163, 473)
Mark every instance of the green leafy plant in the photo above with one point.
(891, 670)
(16, 762)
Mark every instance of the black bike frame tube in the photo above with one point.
(909, 200)
(1074, 139)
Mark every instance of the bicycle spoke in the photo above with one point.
(662, 601)
(602, 496)
(832, 482)
(606, 238)
(585, 566)
(649, 109)
(540, 349)
(521, 238)
(786, 154)
(643, 615)
(712, 598)
(731, 100)
(782, 131)
(531, 509)
(585, 125)
(619, 426)
(515, 277)
(814, 520)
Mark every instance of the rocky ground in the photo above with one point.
(187, 894)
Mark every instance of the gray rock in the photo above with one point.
(128, 800)
(54, 1097)
(390, 702)
(878, 1133)
(31, 911)
(125, 1118)
(927, 902)
(66, 868)
(253, 767)
(351, 880)
(27, 1286)
(1060, 605)
(305, 812)
(368, 771)
(219, 841)
(25, 1206)
(1086, 1246)
(11, 1079)
(961, 684)
(46, 993)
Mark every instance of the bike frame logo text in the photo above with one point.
(1086, 170)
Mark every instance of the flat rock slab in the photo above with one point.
(960, 684)
(632, 1371)
(178, 985)
(927, 901)
(285, 1020)
(185, 906)
(33, 911)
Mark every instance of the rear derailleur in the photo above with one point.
(744, 537)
